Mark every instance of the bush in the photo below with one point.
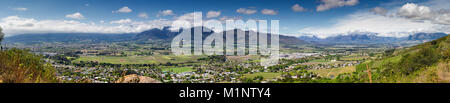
(21, 66)
(1, 35)
(413, 62)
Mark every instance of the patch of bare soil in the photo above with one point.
(133, 78)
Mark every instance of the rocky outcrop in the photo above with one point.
(133, 78)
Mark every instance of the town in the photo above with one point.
(105, 63)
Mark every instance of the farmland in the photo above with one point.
(178, 69)
(139, 59)
(266, 75)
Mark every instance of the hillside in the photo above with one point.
(21, 66)
(425, 63)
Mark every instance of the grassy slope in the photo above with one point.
(436, 72)
(21, 66)
(333, 72)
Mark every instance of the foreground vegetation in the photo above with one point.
(425, 63)
(21, 66)
(331, 73)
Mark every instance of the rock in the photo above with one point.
(133, 78)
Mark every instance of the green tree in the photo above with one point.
(1, 35)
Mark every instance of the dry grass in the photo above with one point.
(434, 74)
(333, 72)
(443, 72)
(19, 66)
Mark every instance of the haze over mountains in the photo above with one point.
(66, 37)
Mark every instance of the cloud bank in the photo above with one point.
(13, 25)
(76, 15)
(402, 21)
(269, 12)
(213, 14)
(246, 11)
(329, 4)
(124, 9)
(297, 8)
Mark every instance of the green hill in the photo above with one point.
(424, 63)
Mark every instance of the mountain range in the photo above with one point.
(372, 38)
(164, 34)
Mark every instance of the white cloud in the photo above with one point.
(269, 12)
(121, 21)
(191, 16)
(379, 11)
(13, 25)
(213, 14)
(124, 9)
(429, 17)
(194, 18)
(143, 15)
(437, 4)
(165, 13)
(413, 11)
(418, 12)
(21, 9)
(443, 18)
(224, 18)
(369, 22)
(298, 8)
(328, 4)
(246, 11)
(76, 15)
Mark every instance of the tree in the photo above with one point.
(1, 35)
(1, 38)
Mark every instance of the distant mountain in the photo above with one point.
(67, 37)
(426, 36)
(372, 38)
(164, 34)
(155, 33)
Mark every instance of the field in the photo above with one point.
(266, 75)
(333, 72)
(354, 58)
(179, 69)
(319, 60)
(139, 59)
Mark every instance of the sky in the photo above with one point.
(322, 18)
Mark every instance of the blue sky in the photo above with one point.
(99, 15)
